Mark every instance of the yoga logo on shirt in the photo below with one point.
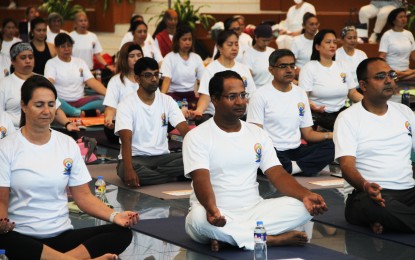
(68, 162)
(258, 152)
(343, 76)
(408, 126)
(81, 73)
(163, 120)
(301, 108)
(245, 82)
(3, 132)
(6, 72)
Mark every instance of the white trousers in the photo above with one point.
(279, 215)
(378, 9)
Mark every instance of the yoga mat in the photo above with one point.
(166, 191)
(335, 217)
(325, 180)
(89, 121)
(172, 230)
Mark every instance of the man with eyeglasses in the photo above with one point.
(222, 157)
(141, 122)
(282, 110)
(373, 140)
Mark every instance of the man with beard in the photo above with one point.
(222, 157)
(373, 141)
(141, 122)
(282, 110)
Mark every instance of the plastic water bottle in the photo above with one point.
(406, 98)
(260, 238)
(100, 189)
(98, 75)
(185, 105)
(3, 254)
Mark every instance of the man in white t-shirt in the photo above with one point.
(282, 110)
(222, 157)
(141, 122)
(373, 140)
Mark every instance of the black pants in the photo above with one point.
(326, 120)
(310, 158)
(97, 240)
(397, 215)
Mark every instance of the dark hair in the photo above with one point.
(34, 22)
(63, 38)
(133, 19)
(8, 20)
(361, 70)
(222, 37)
(145, 63)
(180, 31)
(122, 64)
(55, 16)
(1, 37)
(136, 24)
(162, 24)
(307, 16)
(392, 15)
(315, 55)
(216, 82)
(28, 9)
(229, 21)
(28, 88)
(278, 54)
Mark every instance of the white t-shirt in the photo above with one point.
(328, 86)
(294, 20)
(69, 77)
(398, 47)
(6, 45)
(38, 202)
(302, 49)
(215, 67)
(152, 51)
(381, 144)
(129, 37)
(353, 61)
(116, 90)
(257, 62)
(10, 97)
(183, 73)
(232, 160)
(281, 114)
(86, 46)
(5, 63)
(6, 125)
(50, 36)
(244, 44)
(148, 123)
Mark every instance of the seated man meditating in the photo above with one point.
(373, 141)
(222, 157)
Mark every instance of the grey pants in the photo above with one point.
(155, 169)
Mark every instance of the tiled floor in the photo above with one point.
(145, 247)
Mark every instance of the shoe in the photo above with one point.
(373, 38)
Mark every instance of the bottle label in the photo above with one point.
(260, 237)
(100, 189)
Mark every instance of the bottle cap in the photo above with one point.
(100, 177)
(2, 251)
(184, 98)
(259, 223)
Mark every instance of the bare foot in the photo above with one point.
(377, 228)
(291, 238)
(107, 257)
(216, 245)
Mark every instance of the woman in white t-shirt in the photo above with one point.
(120, 85)
(5, 62)
(87, 45)
(397, 45)
(128, 36)
(348, 52)
(34, 212)
(256, 57)
(227, 44)
(182, 68)
(327, 82)
(302, 46)
(8, 30)
(70, 75)
(139, 30)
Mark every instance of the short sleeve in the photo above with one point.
(195, 152)
(256, 109)
(344, 137)
(175, 114)
(166, 67)
(306, 77)
(113, 95)
(124, 117)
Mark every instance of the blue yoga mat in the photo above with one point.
(335, 217)
(172, 230)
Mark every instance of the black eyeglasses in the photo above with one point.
(382, 75)
(284, 66)
(149, 75)
(234, 96)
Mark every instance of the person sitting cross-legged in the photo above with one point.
(282, 109)
(222, 157)
(141, 122)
